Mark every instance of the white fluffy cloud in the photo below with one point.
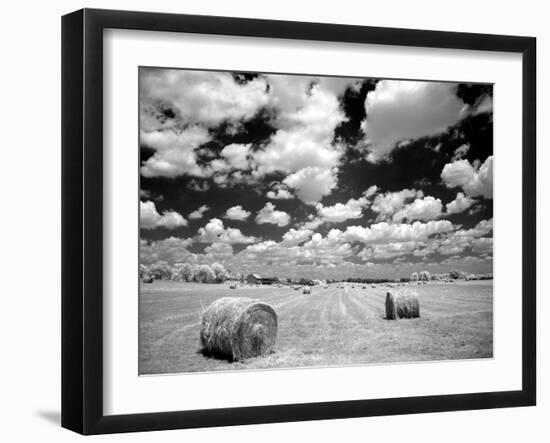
(198, 97)
(317, 250)
(279, 192)
(234, 156)
(483, 245)
(306, 121)
(404, 110)
(384, 232)
(268, 214)
(172, 250)
(312, 183)
(237, 213)
(199, 212)
(215, 232)
(461, 152)
(296, 236)
(340, 212)
(426, 208)
(456, 242)
(473, 179)
(149, 218)
(218, 252)
(175, 152)
(459, 204)
(387, 251)
(302, 147)
(390, 202)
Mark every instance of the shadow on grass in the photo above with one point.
(215, 355)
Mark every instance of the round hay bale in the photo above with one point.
(238, 328)
(148, 279)
(232, 286)
(306, 290)
(402, 304)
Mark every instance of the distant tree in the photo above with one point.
(424, 276)
(143, 271)
(414, 276)
(220, 273)
(456, 274)
(183, 272)
(160, 270)
(204, 274)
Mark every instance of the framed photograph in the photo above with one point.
(270, 221)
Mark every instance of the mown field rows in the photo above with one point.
(329, 327)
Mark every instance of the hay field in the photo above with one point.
(329, 327)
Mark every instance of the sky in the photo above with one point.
(315, 177)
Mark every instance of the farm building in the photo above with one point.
(255, 279)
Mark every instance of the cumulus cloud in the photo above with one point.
(459, 204)
(234, 156)
(215, 232)
(426, 208)
(175, 152)
(341, 212)
(237, 213)
(178, 107)
(303, 146)
(317, 250)
(149, 218)
(296, 236)
(218, 252)
(387, 251)
(461, 152)
(483, 245)
(312, 183)
(279, 192)
(456, 242)
(312, 222)
(384, 232)
(372, 190)
(198, 213)
(172, 250)
(268, 214)
(473, 179)
(400, 110)
(390, 202)
(197, 97)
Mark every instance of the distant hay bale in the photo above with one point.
(148, 279)
(238, 328)
(402, 304)
(232, 286)
(306, 290)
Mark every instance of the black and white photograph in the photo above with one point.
(293, 221)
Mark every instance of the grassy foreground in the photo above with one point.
(329, 327)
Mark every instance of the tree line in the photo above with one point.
(161, 270)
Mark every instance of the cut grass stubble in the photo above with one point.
(329, 327)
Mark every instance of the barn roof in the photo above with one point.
(255, 276)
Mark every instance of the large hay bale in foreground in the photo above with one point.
(238, 328)
(306, 290)
(402, 304)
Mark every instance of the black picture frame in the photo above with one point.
(82, 218)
